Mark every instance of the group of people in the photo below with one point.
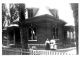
(50, 44)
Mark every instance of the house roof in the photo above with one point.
(69, 28)
(45, 17)
(41, 18)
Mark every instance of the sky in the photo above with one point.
(64, 9)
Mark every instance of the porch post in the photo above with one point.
(14, 37)
(8, 39)
(55, 32)
(69, 34)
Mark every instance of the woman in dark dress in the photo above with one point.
(47, 43)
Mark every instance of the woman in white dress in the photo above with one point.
(52, 44)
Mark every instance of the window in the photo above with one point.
(32, 34)
(55, 33)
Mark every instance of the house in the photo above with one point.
(34, 31)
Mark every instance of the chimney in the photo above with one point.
(32, 12)
(22, 12)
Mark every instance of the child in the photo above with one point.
(52, 44)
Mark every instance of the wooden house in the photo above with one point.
(36, 30)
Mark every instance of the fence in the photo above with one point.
(40, 52)
(34, 52)
(15, 51)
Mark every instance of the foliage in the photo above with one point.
(9, 14)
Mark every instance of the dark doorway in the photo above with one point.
(17, 37)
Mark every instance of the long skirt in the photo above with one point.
(47, 46)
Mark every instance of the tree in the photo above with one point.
(14, 11)
(5, 16)
(74, 7)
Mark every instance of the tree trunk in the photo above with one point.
(75, 14)
(22, 27)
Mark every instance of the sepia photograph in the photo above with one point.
(40, 28)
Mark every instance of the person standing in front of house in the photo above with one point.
(52, 44)
(47, 44)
